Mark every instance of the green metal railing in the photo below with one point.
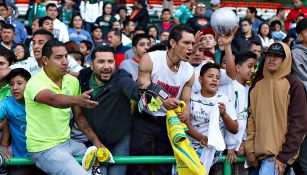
(133, 160)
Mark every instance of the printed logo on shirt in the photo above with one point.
(104, 24)
(243, 115)
(172, 90)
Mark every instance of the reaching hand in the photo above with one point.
(84, 100)
(226, 40)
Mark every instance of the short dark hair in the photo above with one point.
(18, 72)
(122, 8)
(280, 10)
(51, 5)
(247, 20)
(160, 46)
(126, 23)
(142, 2)
(137, 38)
(138, 29)
(101, 49)
(117, 33)
(96, 27)
(254, 42)
(47, 48)
(165, 10)
(43, 19)
(45, 32)
(176, 33)
(207, 66)
(8, 26)
(4, 5)
(302, 25)
(253, 10)
(88, 44)
(8, 55)
(243, 56)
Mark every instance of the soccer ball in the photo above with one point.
(223, 20)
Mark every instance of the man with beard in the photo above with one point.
(171, 71)
(112, 89)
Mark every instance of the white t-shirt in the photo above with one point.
(172, 82)
(31, 65)
(200, 113)
(241, 106)
(60, 31)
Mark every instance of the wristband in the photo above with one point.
(4, 145)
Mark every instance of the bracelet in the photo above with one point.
(4, 145)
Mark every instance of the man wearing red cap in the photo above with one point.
(210, 43)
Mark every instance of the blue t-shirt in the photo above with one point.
(79, 36)
(16, 116)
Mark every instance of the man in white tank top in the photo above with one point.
(171, 71)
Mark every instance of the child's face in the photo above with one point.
(210, 81)
(97, 34)
(246, 71)
(17, 87)
(83, 49)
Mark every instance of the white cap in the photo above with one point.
(215, 2)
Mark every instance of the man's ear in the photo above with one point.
(173, 43)
(45, 60)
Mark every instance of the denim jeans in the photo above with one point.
(120, 149)
(60, 159)
(267, 166)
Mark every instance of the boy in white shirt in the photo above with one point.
(210, 107)
(245, 67)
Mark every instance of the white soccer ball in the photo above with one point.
(223, 20)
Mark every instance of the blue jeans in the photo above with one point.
(60, 159)
(267, 166)
(120, 149)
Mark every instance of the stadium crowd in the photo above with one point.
(87, 73)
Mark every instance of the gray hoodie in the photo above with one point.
(299, 64)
